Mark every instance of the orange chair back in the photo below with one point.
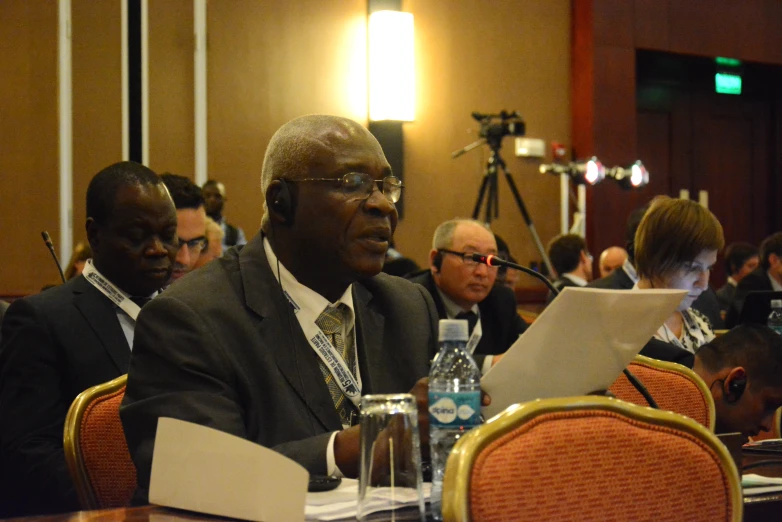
(591, 459)
(96, 450)
(673, 387)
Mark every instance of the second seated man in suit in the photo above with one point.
(250, 343)
(740, 260)
(765, 278)
(60, 342)
(572, 261)
(464, 289)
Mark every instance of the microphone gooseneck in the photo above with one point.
(48, 240)
(493, 260)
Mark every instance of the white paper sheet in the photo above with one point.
(579, 344)
(342, 503)
(205, 470)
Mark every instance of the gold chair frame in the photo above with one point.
(691, 375)
(72, 437)
(456, 486)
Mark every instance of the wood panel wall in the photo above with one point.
(606, 34)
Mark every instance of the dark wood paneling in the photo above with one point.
(583, 67)
(651, 24)
(29, 182)
(613, 23)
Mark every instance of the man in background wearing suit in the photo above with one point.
(214, 199)
(765, 278)
(464, 289)
(250, 343)
(740, 260)
(572, 261)
(191, 222)
(60, 342)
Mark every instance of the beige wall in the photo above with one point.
(267, 63)
(97, 98)
(514, 56)
(29, 180)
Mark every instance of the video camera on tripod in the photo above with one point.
(510, 124)
(494, 127)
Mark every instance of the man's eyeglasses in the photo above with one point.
(194, 245)
(359, 185)
(466, 257)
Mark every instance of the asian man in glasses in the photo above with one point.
(191, 222)
(464, 289)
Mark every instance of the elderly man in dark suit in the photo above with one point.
(69, 338)
(251, 343)
(464, 289)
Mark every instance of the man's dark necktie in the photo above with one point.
(330, 322)
(471, 317)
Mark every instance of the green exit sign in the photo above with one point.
(726, 83)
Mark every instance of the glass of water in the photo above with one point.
(390, 484)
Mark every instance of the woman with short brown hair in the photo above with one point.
(675, 247)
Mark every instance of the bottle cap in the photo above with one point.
(775, 303)
(453, 330)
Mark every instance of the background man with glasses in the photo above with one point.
(464, 289)
(251, 344)
(191, 222)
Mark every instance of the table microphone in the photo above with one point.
(493, 260)
(50, 246)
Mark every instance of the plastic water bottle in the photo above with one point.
(454, 401)
(775, 317)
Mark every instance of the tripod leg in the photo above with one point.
(528, 220)
(477, 209)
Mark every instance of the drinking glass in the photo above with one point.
(390, 485)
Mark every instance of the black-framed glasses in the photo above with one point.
(466, 257)
(196, 244)
(359, 185)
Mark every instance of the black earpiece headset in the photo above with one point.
(283, 202)
(736, 388)
(437, 260)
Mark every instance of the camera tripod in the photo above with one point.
(488, 194)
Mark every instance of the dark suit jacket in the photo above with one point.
(616, 280)
(725, 296)
(755, 281)
(55, 345)
(222, 348)
(500, 323)
(559, 284)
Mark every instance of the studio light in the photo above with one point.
(589, 172)
(633, 177)
(391, 66)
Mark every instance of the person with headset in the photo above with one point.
(743, 370)
(277, 341)
(464, 289)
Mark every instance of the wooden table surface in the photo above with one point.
(761, 508)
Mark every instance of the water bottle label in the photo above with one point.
(777, 329)
(453, 410)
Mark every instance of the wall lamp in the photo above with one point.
(391, 66)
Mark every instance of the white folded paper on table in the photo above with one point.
(579, 344)
(210, 471)
(342, 503)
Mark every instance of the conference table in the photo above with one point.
(761, 508)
